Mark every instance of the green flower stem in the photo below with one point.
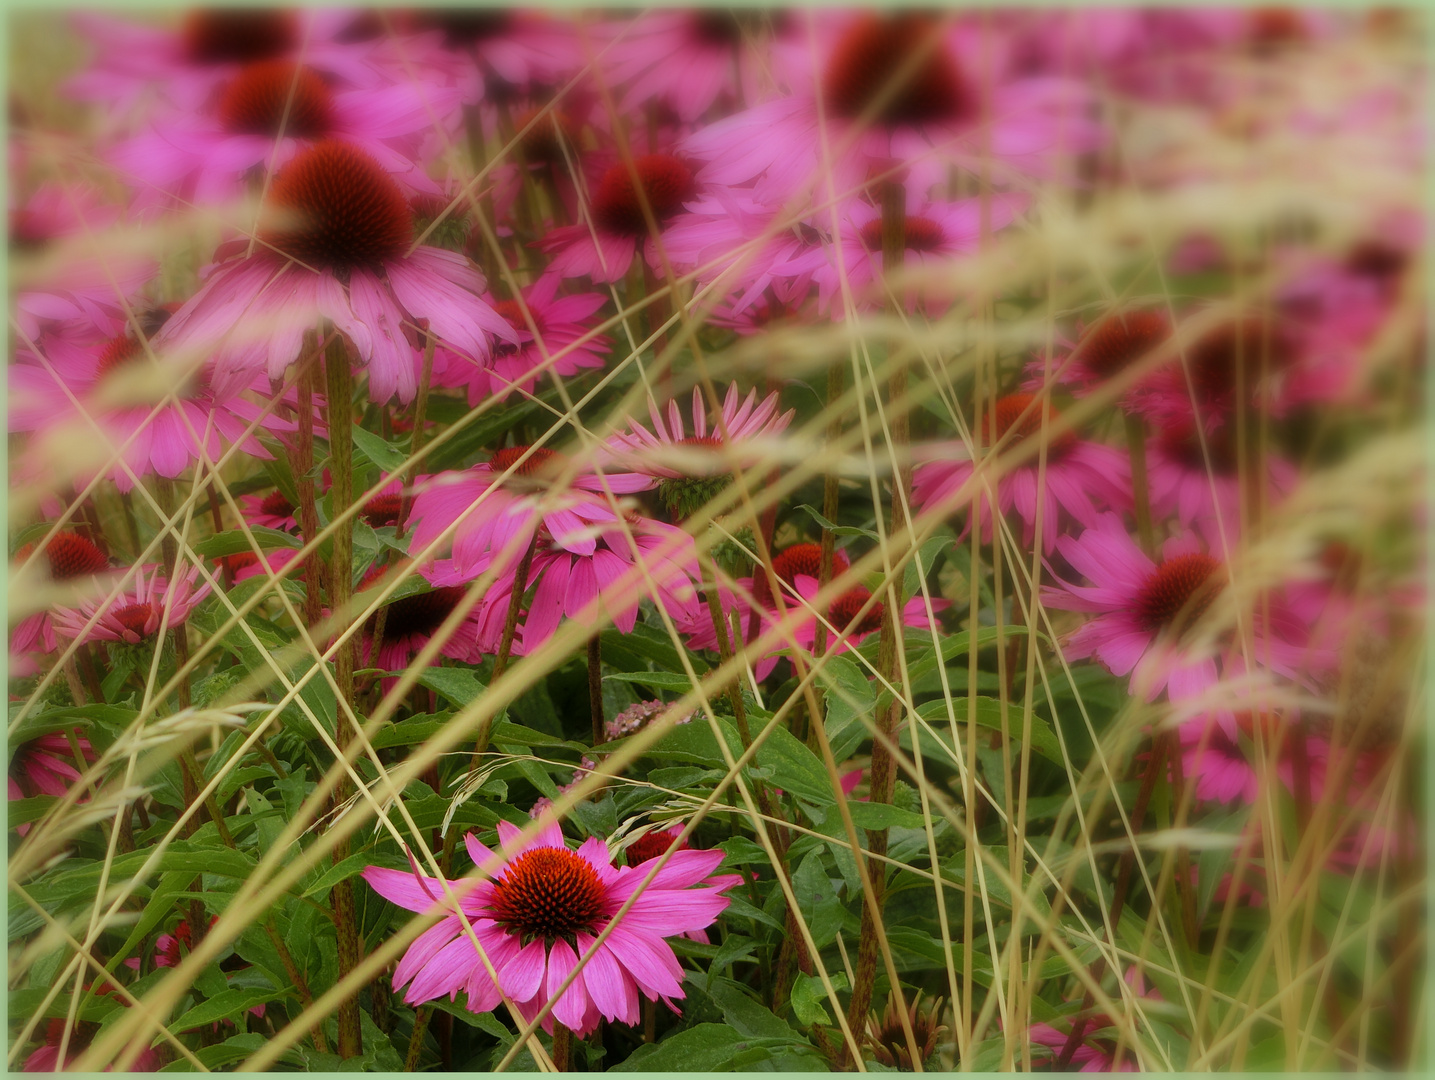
(883, 774)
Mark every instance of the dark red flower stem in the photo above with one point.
(505, 642)
(339, 396)
(302, 466)
(417, 441)
(883, 768)
(1140, 487)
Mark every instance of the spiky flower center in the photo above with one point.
(276, 95)
(549, 893)
(117, 353)
(422, 613)
(383, 510)
(1121, 339)
(462, 27)
(1019, 416)
(846, 607)
(665, 181)
(919, 234)
(134, 618)
(1235, 355)
(1182, 443)
(650, 845)
(540, 461)
(874, 52)
(231, 35)
(72, 555)
(543, 144)
(791, 561)
(1178, 592)
(346, 211)
(277, 505)
(513, 315)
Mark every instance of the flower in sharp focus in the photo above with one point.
(136, 614)
(539, 910)
(337, 246)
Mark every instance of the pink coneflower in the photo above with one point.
(496, 514)
(940, 107)
(52, 1034)
(683, 60)
(934, 233)
(138, 613)
(70, 557)
(1142, 608)
(115, 385)
(46, 766)
(78, 283)
(619, 228)
(1097, 1050)
(1194, 483)
(184, 65)
(539, 911)
(244, 565)
(412, 619)
(496, 54)
(272, 511)
(1244, 356)
(1104, 350)
(264, 115)
(561, 321)
(343, 255)
(731, 235)
(608, 581)
(1081, 477)
(796, 568)
(693, 468)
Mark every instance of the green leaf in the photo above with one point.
(867, 815)
(350, 867)
(24, 811)
(235, 1048)
(458, 685)
(694, 743)
(937, 743)
(837, 530)
(657, 680)
(385, 455)
(817, 899)
(747, 1016)
(234, 542)
(223, 1006)
(795, 768)
(703, 1048)
(410, 732)
(850, 698)
(808, 995)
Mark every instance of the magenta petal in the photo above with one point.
(521, 977)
